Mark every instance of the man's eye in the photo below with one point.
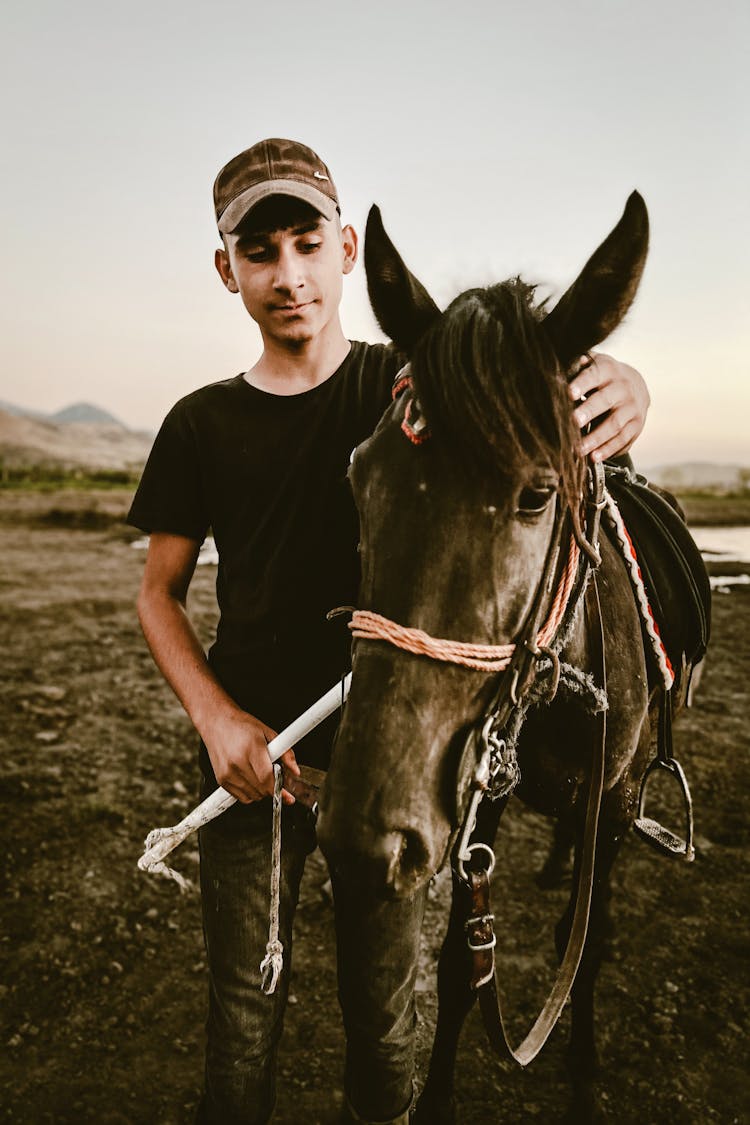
(256, 255)
(310, 247)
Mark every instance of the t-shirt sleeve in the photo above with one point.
(171, 493)
(382, 365)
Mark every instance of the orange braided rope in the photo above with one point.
(560, 602)
(483, 658)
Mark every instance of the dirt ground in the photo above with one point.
(103, 970)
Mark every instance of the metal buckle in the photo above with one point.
(656, 834)
(480, 920)
(465, 857)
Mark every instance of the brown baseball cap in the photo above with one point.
(272, 167)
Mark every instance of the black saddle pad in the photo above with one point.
(673, 570)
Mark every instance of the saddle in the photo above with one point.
(672, 568)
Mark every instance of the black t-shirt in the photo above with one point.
(267, 474)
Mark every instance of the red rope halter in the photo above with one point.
(483, 658)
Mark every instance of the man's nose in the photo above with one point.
(288, 273)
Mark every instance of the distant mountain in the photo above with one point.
(21, 411)
(77, 412)
(84, 412)
(699, 475)
(26, 442)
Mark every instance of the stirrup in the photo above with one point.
(653, 832)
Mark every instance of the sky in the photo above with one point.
(497, 137)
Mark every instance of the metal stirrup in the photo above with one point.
(656, 834)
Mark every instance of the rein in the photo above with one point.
(497, 774)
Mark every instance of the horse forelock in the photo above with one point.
(492, 391)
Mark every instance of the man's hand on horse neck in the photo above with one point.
(617, 401)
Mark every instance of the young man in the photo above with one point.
(261, 459)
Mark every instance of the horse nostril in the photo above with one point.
(391, 863)
(414, 857)
(409, 858)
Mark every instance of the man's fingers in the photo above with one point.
(614, 435)
(603, 400)
(598, 371)
(247, 795)
(587, 378)
(615, 405)
(253, 777)
(244, 793)
(268, 732)
(290, 762)
(604, 432)
(616, 445)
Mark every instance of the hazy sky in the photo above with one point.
(497, 137)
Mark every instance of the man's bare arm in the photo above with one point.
(236, 741)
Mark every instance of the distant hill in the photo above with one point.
(85, 412)
(26, 442)
(20, 411)
(697, 476)
(77, 412)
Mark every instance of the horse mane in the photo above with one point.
(492, 391)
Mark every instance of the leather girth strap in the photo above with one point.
(479, 927)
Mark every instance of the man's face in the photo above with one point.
(287, 263)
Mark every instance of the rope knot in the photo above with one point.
(271, 966)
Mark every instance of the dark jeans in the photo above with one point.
(377, 947)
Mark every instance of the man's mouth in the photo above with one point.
(290, 309)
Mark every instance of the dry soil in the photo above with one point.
(103, 969)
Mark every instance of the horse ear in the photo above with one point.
(604, 290)
(403, 307)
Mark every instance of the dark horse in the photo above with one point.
(454, 535)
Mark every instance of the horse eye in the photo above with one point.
(534, 499)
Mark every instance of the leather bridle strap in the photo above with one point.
(522, 669)
(480, 933)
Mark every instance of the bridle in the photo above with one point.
(537, 639)
(496, 772)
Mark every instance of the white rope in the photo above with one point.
(273, 962)
(161, 841)
(636, 578)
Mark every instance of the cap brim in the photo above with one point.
(231, 218)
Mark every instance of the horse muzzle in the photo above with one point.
(392, 863)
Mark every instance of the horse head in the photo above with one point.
(454, 532)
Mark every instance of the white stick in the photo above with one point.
(161, 841)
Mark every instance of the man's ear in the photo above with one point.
(350, 246)
(224, 270)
